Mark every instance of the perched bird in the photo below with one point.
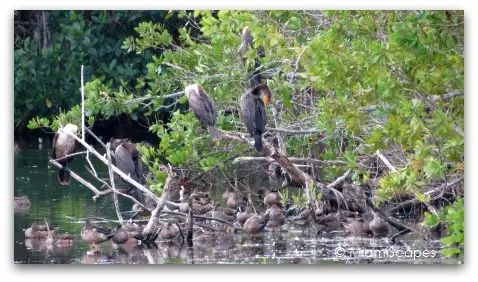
(303, 219)
(255, 224)
(234, 200)
(244, 213)
(64, 145)
(223, 213)
(276, 216)
(271, 197)
(225, 195)
(253, 113)
(95, 234)
(169, 231)
(120, 236)
(204, 108)
(128, 160)
(378, 226)
(246, 43)
(359, 226)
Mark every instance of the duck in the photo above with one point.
(226, 194)
(57, 240)
(120, 236)
(201, 198)
(303, 219)
(271, 197)
(169, 231)
(276, 216)
(205, 238)
(94, 234)
(21, 204)
(244, 213)
(330, 223)
(378, 226)
(360, 226)
(255, 224)
(234, 200)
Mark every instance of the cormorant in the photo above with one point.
(246, 43)
(204, 108)
(64, 145)
(253, 113)
(127, 159)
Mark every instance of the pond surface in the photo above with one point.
(66, 206)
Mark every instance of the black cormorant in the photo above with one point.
(64, 145)
(253, 113)
(203, 107)
(127, 159)
(246, 43)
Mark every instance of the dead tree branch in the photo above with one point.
(115, 197)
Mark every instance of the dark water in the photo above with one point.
(65, 206)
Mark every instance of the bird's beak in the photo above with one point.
(265, 99)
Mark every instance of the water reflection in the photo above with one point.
(58, 205)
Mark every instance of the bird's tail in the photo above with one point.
(258, 141)
(64, 176)
(262, 225)
(215, 135)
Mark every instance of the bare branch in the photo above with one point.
(82, 181)
(114, 168)
(110, 171)
(339, 180)
(385, 161)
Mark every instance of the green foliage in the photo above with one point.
(367, 80)
(453, 216)
(47, 76)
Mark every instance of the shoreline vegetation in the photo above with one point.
(362, 124)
